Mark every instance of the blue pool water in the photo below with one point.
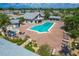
(42, 28)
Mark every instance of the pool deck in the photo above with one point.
(53, 38)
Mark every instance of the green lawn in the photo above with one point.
(1, 36)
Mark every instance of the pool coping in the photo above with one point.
(42, 32)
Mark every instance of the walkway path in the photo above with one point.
(26, 42)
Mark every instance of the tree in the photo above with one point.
(1, 8)
(10, 8)
(46, 14)
(21, 20)
(74, 34)
(71, 25)
(44, 50)
(4, 20)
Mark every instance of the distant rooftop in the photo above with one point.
(10, 49)
(57, 17)
(32, 15)
(13, 21)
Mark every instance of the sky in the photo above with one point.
(39, 5)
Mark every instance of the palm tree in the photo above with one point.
(4, 21)
(21, 20)
(46, 12)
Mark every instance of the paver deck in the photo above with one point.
(53, 38)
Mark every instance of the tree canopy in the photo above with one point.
(46, 14)
(72, 25)
(22, 19)
(4, 20)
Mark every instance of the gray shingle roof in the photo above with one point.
(13, 21)
(32, 15)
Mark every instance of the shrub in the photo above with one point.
(29, 47)
(44, 50)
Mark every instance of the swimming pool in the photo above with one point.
(43, 28)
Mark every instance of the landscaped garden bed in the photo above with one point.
(18, 41)
(32, 46)
(29, 47)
